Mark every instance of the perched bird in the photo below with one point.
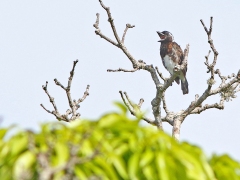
(172, 54)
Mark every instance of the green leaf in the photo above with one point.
(105, 165)
(120, 166)
(62, 153)
(149, 172)
(146, 158)
(125, 150)
(133, 166)
(24, 164)
(3, 132)
(161, 166)
(80, 174)
(18, 143)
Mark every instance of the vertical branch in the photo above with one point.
(176, 128)
(72, 106)
(110, 19)
(125, 31)
(164, 103)
(156, 102)
(210, 41)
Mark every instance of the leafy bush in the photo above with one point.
(113, 147)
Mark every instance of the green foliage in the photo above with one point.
(113, 147)
(225, 167)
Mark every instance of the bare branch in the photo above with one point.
(135, 109)
(225, 86)
(74, 105)
(164, 103)
(153, 73)
(160, 74)
(140, 102)
(96, 25)
(51, 99)
(211, 22)
(168, 118)
(110, 20)
(120, 69)
(210, 41)
(119, 44)
(198, 110)
(176, 127)
(59, 84)
(46, 109)
(98, 31)
(207, 62)
(86, 93)
(128, 99)
(226, 90)
(210, 67)
(205, 28)
(125, 31)
(126, 103)
(71, 74)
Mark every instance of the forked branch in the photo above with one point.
(225, 89)
(135, 109)
(74, 104)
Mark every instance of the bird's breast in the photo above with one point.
(169, 63)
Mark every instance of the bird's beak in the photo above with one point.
(161, 35)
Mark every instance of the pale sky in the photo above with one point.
(39, 40)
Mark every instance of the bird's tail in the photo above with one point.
(184, 86)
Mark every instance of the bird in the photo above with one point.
(172, 55)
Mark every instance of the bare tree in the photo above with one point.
(74, 105)
(227, 89)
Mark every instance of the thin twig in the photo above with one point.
(128, 99)
(96, 25)
(226, 90)
(132, 108)
(121, 69)
(140, 102)
(110, 19)
(86, 93)
(198, 110)
(160, 74)
(164, 103)
(125, 31)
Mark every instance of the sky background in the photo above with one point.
(39, 40)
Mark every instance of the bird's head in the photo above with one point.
(165, 36)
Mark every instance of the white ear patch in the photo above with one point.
(171, 36)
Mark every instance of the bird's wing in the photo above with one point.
(180, 55)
